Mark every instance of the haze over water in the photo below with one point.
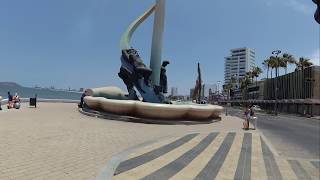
(25, 92)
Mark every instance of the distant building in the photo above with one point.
(240, 61)
(207, 88)
(174, 91)
(298, 92)
(191, 93)
(81, 89)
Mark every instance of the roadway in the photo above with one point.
(291, 135)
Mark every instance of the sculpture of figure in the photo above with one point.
(317, 13)
(163, 77)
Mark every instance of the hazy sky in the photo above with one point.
(76, 42)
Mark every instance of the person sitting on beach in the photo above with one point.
(16, 101)
(80, 105)
(10, 101)
(0, 102)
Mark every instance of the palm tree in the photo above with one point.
(303, 63)
(265, 63)
(256, 72)
(244, 85)
(288, 59)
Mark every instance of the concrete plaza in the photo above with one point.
(55, 141)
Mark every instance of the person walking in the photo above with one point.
(253, 118)
(246, 118)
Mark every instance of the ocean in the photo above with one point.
(25, 92)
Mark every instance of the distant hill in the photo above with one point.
(8, 84)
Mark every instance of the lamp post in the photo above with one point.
(276, 52)
(218, 87)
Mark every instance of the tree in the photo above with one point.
(265, 64)
(288, 59)
(303, 63)
(256, 72)
(244, 85)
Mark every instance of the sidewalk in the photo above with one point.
(211, 156)
(55, 141)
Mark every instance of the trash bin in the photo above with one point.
(33, 101)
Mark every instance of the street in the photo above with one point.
(292, 136)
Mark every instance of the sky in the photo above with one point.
(75, 43)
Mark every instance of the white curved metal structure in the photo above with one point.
(114, 100)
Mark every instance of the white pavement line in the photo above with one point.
(108, 171)
(195, 166)
(151, 147)
(258, 169)
(150, 167)
(285, 169)
(310, 169)
(229, 167)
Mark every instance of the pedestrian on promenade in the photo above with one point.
(253, 118)
(246, 118)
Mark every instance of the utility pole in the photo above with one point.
(276, 52)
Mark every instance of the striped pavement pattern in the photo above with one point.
(217, 155)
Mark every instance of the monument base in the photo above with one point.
(119, 106)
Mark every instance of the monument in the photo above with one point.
(145, 85)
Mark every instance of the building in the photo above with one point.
(174, 91)
(209, 89)
(298, 92)
(240, 61)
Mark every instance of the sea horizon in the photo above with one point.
(45, 93)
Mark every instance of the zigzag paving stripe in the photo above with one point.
(229, 167)
(310, 169)
(139, 160)
(285, 169)
(244, 164)
(151, 147)
(149, 167)
(175, 166)
(200, 161)
(272, 168)
(316, 164)
(213, 156)
(212, 168)
(257, 163)
(298, 169)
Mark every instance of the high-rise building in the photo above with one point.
(174, 91)
(240, 61)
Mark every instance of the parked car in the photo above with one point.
(256, 108)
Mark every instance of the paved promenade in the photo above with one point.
(55, 141)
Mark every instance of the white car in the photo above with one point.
(256, 108)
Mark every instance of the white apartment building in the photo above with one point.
(174, 91)
(240, 61)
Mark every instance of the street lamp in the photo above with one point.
(276, 52)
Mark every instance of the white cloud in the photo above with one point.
(297, 5)
(315, 57)
(301, 6)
